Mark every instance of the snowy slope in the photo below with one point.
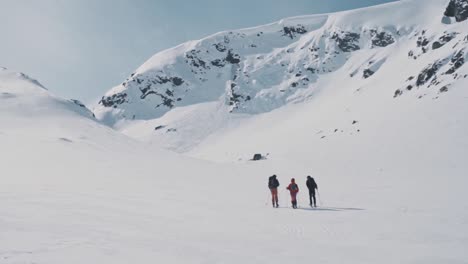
(74, 191)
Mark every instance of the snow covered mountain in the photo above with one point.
(260, 69)
(22, 93)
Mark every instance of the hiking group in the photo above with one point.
(293, 189)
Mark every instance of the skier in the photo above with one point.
(312, 185)
(273, 184)
(293, 190)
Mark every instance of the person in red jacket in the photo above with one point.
(293, 190)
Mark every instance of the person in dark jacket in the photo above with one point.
(273, 184)
(312, 186)
(293, 190)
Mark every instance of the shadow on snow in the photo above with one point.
(330, 209)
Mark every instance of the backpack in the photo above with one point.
(294, 187)
(272, 182)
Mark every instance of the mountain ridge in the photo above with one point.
(300, 49)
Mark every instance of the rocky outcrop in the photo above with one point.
(293, 31)
(381, 39)
(457, 9)
(444, 39)
(347, 41)
(456, 62)
(113, 100)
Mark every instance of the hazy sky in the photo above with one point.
(81, 48)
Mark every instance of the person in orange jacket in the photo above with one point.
(293, 190)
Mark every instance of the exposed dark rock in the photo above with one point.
(409, 87)
(443, 89)
(381, 39)
(145, 89)
(177, 81)
(443, 40)
(195, 61)
(232, 58)
(457, 9)
(159, 127)
(457, 61)
(258, 156)
(113, 100)
(422, 43)
(236, 98)
(220, 47)
(347, 41)
(218, 63)
(171, 130)
(397, 93)
(169, 92)
(355, 122)
(367, 73)
(428, 73)
(293, 31)
(167, 102)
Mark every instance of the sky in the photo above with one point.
(81, 48)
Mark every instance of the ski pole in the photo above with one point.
(320, 200)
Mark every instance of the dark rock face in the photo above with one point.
(235, 98)
(457, 61)
(232, 57)
(422, 42)
(193, 59)
(176, 81)
(113, 100)
(167, 96)
(428, 73)
(347, 41)
(220, 47)
(381, 39)
(258, 156)
(159, 127)
(293, 31)
(367, 73)
(457, 9)
(397, 93)
(443, 89)
(218, 63)
(447, 37)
